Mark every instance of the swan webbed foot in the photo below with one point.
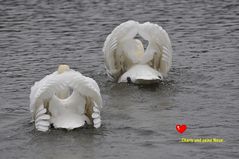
(51, 125)
(129, 81)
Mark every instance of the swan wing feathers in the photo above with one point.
(115, 49)
(44, 89)
(159, 50)
(42, 120)
(96, 115)
(35, 88)
(88, 87)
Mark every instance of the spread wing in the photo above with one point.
(44, 90)
(159, 51)
(117, 49)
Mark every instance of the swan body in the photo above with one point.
(68, 113)
(125, 57)
(65, 99)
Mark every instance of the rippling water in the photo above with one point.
(201, 90)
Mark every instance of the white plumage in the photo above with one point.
(65, 99)
(125, 58)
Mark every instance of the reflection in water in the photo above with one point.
(138, 122)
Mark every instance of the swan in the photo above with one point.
(125, 57)
(65, 99)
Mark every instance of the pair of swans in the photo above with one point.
(67, 99)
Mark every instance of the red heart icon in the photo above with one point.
(181, 128)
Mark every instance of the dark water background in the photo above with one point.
(202, 89)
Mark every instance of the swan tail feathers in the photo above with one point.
(141, 74)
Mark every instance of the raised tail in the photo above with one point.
(141, 74)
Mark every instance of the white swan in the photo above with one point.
(125, 58)
(65, 99)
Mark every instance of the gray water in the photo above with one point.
(138, 122)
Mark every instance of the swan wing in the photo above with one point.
(36, 87)
(159, 51)
(90, 89)
(117, 51)
(42, 120)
